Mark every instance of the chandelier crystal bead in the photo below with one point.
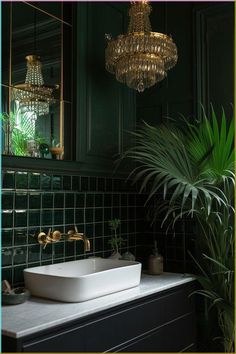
(140, 58)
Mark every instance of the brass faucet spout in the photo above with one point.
(78, 236)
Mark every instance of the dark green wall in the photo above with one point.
(203, 33)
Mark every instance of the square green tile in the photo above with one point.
(34, 180)
(89, 230)
(124, 227)
(116, 213)
(69, 200)
(98, 214)
(67, 183)
(101, 184)
(21, 180)
(47, 217)
(76, 183)
(58, 217)
(131, 200)
(106, 244)
(56, 182)
(7, 275)
(79, 215)
(7, 219)
(107, 200)
(8, 180)
(89, 215)
(7, 200)
(99, 200)
(69, 249)
(84, 184)
(34, 200)
(34, 217)
(20, 237)
(98, 229)
(80, 200)
(116, 200)
(108, 185)
(123, 200)
(46, 253)
(69, 216)
(20, 255)
(124, 213)
(32, 235)
(46, 182)
(89, 200)
(58, 250)
(59, 200)
(6, 257)
(98, 244)
(47, 200)
(92, 184)
(107, 214)
(7, 238)
(18, 275)
(21, 201)
(79, 248)
(20, 218)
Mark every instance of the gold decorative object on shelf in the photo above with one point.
(57, 152)
(33, 95)
(140, 58)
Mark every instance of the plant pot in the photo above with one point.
(115, 255)
(57, 152)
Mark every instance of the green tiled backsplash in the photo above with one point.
(33, 202)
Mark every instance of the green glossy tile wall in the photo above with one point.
(33, 202)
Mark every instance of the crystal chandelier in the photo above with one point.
(33, 95)
(140, 58)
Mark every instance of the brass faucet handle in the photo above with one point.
(50, 237)
(42, 238)
(56, 236)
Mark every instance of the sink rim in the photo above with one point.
(30, 270)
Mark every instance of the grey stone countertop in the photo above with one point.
(38, 314)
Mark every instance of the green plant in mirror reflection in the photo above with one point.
(19, 129)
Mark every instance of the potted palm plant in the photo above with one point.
(193, 164)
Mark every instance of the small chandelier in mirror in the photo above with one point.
(33, 95)
(140, 58)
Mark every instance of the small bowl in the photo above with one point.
(19, 296)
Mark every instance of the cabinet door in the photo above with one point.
(105, 107)
(176, 336)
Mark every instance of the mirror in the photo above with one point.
(33, 79)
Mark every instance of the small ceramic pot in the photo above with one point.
(57, 152)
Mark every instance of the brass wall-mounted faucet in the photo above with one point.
(74, 235)
(71, 235)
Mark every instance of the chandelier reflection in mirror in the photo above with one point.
(140, 58)
(33, 95)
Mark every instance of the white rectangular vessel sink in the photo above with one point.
(82, 280)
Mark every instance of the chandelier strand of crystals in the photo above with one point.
(33, 95)
(141, 58)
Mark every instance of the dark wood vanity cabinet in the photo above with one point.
(162, 322)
